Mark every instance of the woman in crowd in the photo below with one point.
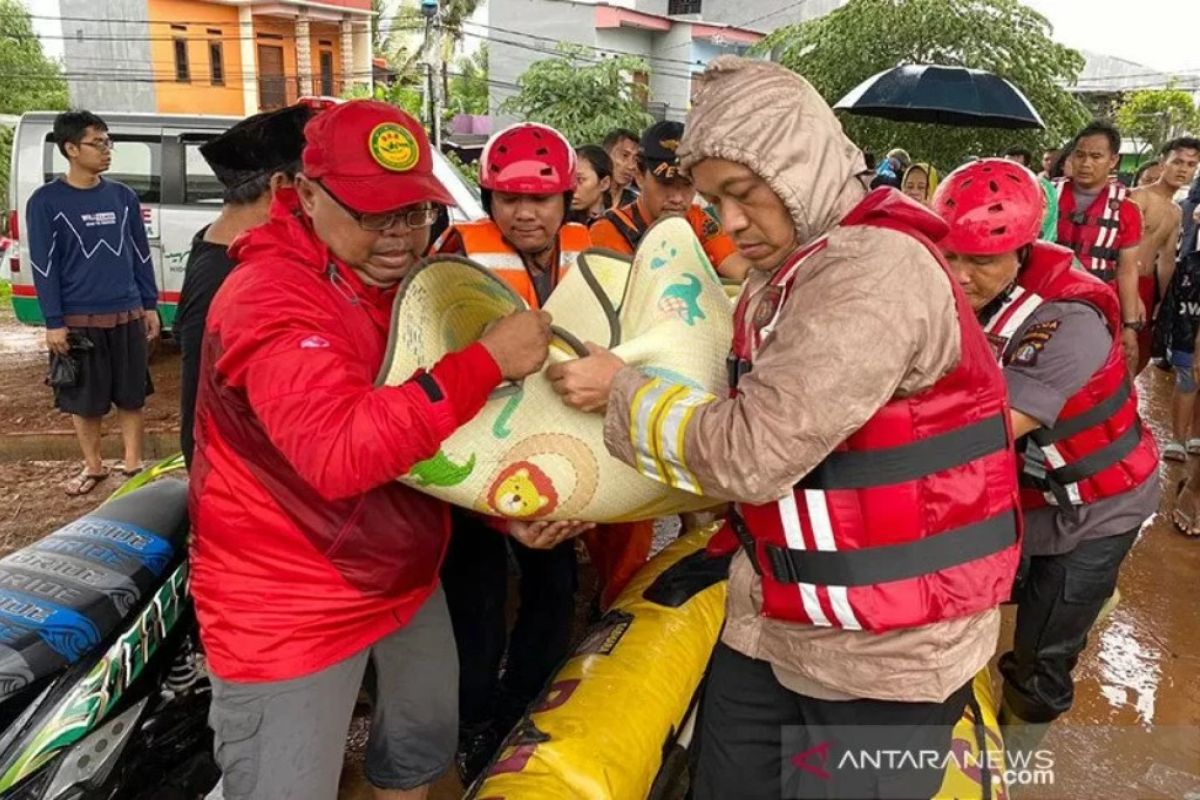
(594, 178)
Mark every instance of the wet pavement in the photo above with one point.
(1134, 730)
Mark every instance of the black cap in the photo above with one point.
(658, 146)
(263, 143)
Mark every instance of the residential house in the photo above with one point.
(676, 48)
(233, 57)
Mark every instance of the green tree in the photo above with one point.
(581, 98)
(1156, 116)
(469, 85)
(840, 50)
(31, 80)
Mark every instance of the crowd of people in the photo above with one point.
(984, 447)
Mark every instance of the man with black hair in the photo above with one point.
(666, 192)
(252, 160)
(95, 285)
(1147, 173)
(1049, 157)
(1098, 221)
(1163, 220)
(621, 145)
(1021, 155)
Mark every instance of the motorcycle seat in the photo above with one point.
(64, 595)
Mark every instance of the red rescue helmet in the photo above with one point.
(528, 158)
(993, 206)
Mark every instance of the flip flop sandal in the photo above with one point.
(84, 483)
(1174, 452)
(1184, 524)
(1193, 447)
(129, 473)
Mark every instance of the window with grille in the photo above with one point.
(182, 71)
(216, 63)
(683, 7)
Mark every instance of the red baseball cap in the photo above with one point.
(372, 156)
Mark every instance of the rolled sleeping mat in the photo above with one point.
(610, 721)
(526, 455)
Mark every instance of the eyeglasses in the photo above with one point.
(413, 218)
(103, 145)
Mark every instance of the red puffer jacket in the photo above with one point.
(305, 550)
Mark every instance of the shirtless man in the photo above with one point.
(1161, 219)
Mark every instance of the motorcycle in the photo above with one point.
(103, 692)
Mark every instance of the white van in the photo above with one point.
(158, 156)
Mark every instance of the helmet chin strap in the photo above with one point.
(993, 306)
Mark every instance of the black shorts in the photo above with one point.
(113, 372)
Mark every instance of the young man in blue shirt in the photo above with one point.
(95, 280)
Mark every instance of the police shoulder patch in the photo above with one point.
(1032, 342)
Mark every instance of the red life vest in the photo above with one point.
(1092, 232)
(483, 243)
(1098, 447)
(912, 519)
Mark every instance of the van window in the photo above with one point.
(200, 184)
(136, 162)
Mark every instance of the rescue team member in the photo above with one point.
(1162, 221)
(621, 144)
(307, 556)
(665, 192)
(1098, 221)
(527, 173)
(849, 585)
(1089, 464)
(252, 160)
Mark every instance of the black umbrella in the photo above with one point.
(943, 95)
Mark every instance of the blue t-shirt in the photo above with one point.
(89, 251)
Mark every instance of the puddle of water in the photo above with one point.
(22, 339)
(1129, 669)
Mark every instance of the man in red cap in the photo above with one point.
(308, 558)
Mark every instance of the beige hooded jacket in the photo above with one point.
(869, 317)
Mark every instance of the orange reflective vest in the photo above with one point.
(484, 244)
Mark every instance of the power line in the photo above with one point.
(147, 21)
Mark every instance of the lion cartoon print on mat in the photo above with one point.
(526, 455)
(536, 472)
(519, 492)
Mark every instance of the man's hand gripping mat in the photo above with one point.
(526, 455)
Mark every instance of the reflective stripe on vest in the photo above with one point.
(484, 244)
(1062, 479)
(837, 550)
(1100, 255)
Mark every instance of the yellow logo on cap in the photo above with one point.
(394, 147)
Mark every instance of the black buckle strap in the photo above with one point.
(1104, 253)
(1099, 413)
(743, 535)
(1078, 218)
(886, 563)
(890, 465)
(1100, 460)
(631, 234)
(1034, 475)
(736, 369)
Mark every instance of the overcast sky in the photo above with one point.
(1163, 34)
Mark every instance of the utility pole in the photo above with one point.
(432, 9)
